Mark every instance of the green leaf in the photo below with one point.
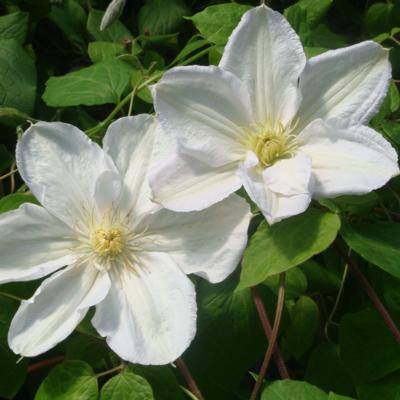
(323, 37)
(326, 370)
(18, 77)
(392, 130)
(378, 243)
(71, 380)
(126, 386)
(13, 114)
(101, 83)
(333, 396)
(189, 48)
(160, 17)
(379, 19)
(303, 328)
(162, 380)
(13, 201)
(70, 17)
(315, 10)
(116, 32)
(297, 17)
(14, 26)
(277, 248)
(209, 21)
(387, 388)
(394, 96)
(101, 51)
(367, 348)
(320, 278)
(295, 283)
(292, 390)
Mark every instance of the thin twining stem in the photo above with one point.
(362, 280)
(274, 336)
(184, 371)
(338, 297)
(262, 313)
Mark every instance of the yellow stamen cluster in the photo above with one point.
(108, 242)
(270, 144)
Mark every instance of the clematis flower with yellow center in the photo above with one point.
(285, 128)
(111, 246)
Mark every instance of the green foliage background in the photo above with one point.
(56, 64)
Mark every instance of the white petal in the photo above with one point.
(182, 183)
(266, 53)
(282, 190)
(56, 308)
(205, 108)
(149, 315)
(61, 166)
(348, 83)
(129, 141)
(33, 244)
(353, 160)
(208, 243)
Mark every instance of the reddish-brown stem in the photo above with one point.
(274, 336)
(184, 370)
(45, 363)
(266, 324)
(362, 280)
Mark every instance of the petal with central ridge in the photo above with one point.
(182, 183)
(149, 315)
(347, 160)
(266, 53)
(61, 166)
(208, 243)
(56, 309)
(204, 108)
(33, 244)
(348, 83)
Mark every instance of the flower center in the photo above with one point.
(108, 242)
(270, 144)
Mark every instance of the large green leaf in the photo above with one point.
(216, 23)
(101, 51)
(160, 17)
(379, 243)
(315, 10)
(367, 348)
(126, 386)
(277, 248)
(14, 26)
(326, 370)
(379, 19)
(18, 77)
(70, 17)
(116, 32)
(162, 380)
(387, 388)
(101, 83)
(303, 328)
(71, 380)
(292, 390)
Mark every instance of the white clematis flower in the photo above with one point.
(285, 128)
(124, 254)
